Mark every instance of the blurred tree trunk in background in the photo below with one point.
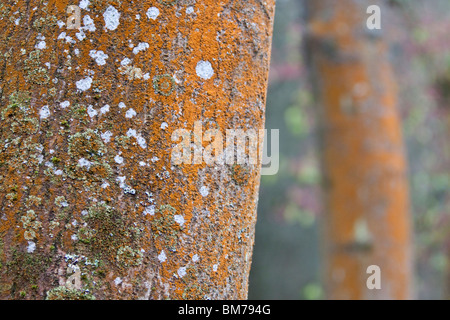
(367, 219)
(92, 205)
(442, 88)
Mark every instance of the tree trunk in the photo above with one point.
(92, 205)
(367, 207)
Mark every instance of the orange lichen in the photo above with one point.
(90, 114)
(367, 214)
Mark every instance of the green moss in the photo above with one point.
(12, 196)
(52, 92)
(168, 2)
(34, 72)
(164, 84)
(11, 111)
(26, 125)
(16, 114)
(65, 124)
(61, 201)
(129, 257)
(194, 292)
(26, 269)
(97, 171)
(18, 106)
(4, 11)
(165, 228)
(44, 23)
(63, 293)
(56, 160)
(122, 141)
(30, 224)
(85, 235)
(22, 98)
(1, 254)
(78, 111)
(86, 145)
(110, 236)
(89, 146)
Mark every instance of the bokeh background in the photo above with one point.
(287, 257)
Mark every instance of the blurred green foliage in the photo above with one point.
(286, 261)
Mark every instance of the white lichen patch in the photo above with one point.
(190, 10)
(125, 62)
(84, 163)
(215, 267)
(41, 45)
(181, 272)
(105, 185)
(131, 133)
(141, 47)
(164, 125)
(126, 188)
(117, 281)
(84, 84)
(84, 4)
(61, 202)
(104, 109)
(204, 70)
(149, 210)
(99, 56)
(121, 181)
(195, 258)
(106, 136)
(179, 219)
(122, 105)
(89, 24)
(162, 256)
(44, 113)
(361, 232)
(80, 35)
(130, 113)
(91, 111)
(204, 191)
(153, 13)
(64, 36)
(64, 104)
(140, 140)
(177, 81)
(118, 159)
(111, 17)
(31, 247)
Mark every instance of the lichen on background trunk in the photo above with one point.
(91, 205)
(367, 218)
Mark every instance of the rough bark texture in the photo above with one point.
(91, 205)
(367, 217)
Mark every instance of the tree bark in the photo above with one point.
(92, 205)
(365, 185)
